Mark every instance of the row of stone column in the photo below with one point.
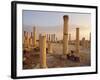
(77, 41)
(43, 41)
(85, 43)
(30, 39)
(65, 43)
(51, 37)
(65, 36)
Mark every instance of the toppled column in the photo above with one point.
(34, 37)
(77, 41)
(43, 51)
(65, 35)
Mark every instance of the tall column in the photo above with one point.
(65, 34)
(77, 41)
(34, 37)
(43, 52)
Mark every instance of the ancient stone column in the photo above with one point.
(77, 41)
(50, 47)
(65, 35)
(28, 42)
(25, 34)
(39, 40)
(87, 44)
(31, 40)
(49, 37)
(90, 36)
(34, 37)
(90, 41)
(56, 39)
(83, 42)
(53, 37)
(43, 52)
(25, 39)
(69, 38)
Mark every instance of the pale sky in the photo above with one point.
(52, 22)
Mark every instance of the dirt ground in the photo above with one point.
(31, 60)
